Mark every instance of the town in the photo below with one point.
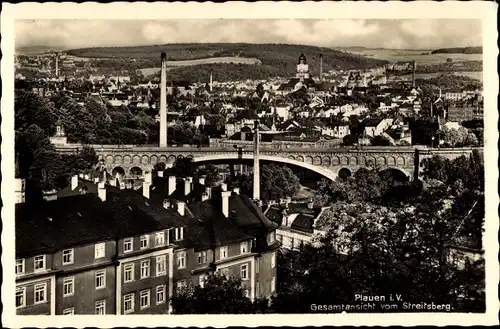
(148, 195)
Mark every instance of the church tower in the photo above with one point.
(302, 68)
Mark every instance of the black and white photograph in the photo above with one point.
(223, 165)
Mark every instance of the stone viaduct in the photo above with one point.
(327, 162)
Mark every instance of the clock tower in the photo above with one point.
(302, 68)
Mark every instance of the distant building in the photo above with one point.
(471, 109)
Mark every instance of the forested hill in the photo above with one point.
(276, 59)
(462, 50)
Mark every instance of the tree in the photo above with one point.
(218, 295)
(380, 141)
(211, 174)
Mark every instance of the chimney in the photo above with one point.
(223, 187)
(225, 203)
(147, 177)
(160, 173)
(202, 180)
(256, 168)
(172, 182)
(74, 182)
(236, 190)
(181, 207)
(204, 196)
(413, 74)
(101, 191)
(187, 185)
(321, 68)
(208, 191)
(211, 82)
(145, 189)
(166, 204)
(163, 101)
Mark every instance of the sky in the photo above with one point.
(398, 34)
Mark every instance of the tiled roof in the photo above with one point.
(75, 220)
(211, 228)
(304, 223)
(247, 215)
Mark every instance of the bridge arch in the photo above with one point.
(318, 169)
(399, 174)
(136, 171)
(118, 171)
(344, 173)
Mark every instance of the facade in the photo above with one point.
(472, 109)
(102, 249)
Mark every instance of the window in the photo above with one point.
(69, 311)
(40, 263)
(145, 294)
(127, 245)
(223, 252)
(160, 239)
(244, 247)
(129, 272)
(161, 265)
(273, 285)
(160, 294)
(100, 279)
(67, 256)
(128, 303)
(144, 241)
(21, 297)
(20, 266)
(99, 250)
(244, 272)
(257, 289)
(257, 265)
(273, 260)
(40, 293)
(100, 307)
(68, 286)
(181, 284)
(181, 259)
(144, 269)
(179, 233)
(202, 257)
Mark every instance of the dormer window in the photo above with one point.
(39, 263)
(179, 233)
(159, 239)
(20, 266)
(127, 245)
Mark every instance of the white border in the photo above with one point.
(486, 11)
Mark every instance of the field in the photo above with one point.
(420, 56)
(215, 60)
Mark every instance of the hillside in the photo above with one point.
(462, 50)
(276, 59)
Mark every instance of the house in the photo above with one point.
(103, 248)
(375, 127)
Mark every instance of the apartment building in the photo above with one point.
(101, 248)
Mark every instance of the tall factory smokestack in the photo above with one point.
(321, 68)
(256, 169)
(57, 65)
(211, 82)
(413, 74)
(163, 101)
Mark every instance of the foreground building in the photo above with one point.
(101, 248)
